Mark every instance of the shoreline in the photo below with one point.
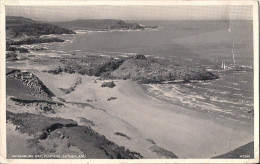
(222, 115)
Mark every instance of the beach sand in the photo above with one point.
(138, 121)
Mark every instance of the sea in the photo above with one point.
(200, 43)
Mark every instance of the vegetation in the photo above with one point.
(20, 26)
(136, 68)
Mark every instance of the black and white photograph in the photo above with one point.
(131, 82)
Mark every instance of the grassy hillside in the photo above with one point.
(88, 24)
(20, 26)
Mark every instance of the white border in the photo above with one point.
(124, 3)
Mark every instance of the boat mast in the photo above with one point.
(229, 31)
(233, 53)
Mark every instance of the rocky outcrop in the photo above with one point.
(67, 91)
(20, 30)
(90, 65)
(55, 71)
(137, 68)
(42, 106)
(149, 71)
(139, 56)
(29, 80)
(34, 41)
(111, 98)
(11, 56)
(19, 49)
(109, 84)
(129, 26)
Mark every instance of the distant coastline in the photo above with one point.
(102, 25)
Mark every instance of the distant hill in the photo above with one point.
(87, 24)
(99, 24)
(20, 26)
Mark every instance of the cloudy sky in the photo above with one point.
(54, 13)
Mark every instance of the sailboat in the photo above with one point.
(233, 54)
(223, 65)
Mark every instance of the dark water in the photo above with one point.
(197, 42)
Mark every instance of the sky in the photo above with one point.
(66, 13)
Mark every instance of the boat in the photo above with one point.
(223, 66)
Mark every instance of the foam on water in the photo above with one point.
(221, 97)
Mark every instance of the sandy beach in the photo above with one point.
(134, 113)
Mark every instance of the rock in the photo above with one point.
(23, 50)
(122, 134)
(123, 25)
(90, 65)
(111, 98)
(140, 56)
(138, 68)
(43, 136)
(110, 84)
(20, 49)
(11, 56)
(29, 81)
(55, 71)
(150, 71)
(34, 40)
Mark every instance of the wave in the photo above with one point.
(204, 102)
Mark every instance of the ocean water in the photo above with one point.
(209, 40)
(201, 43)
